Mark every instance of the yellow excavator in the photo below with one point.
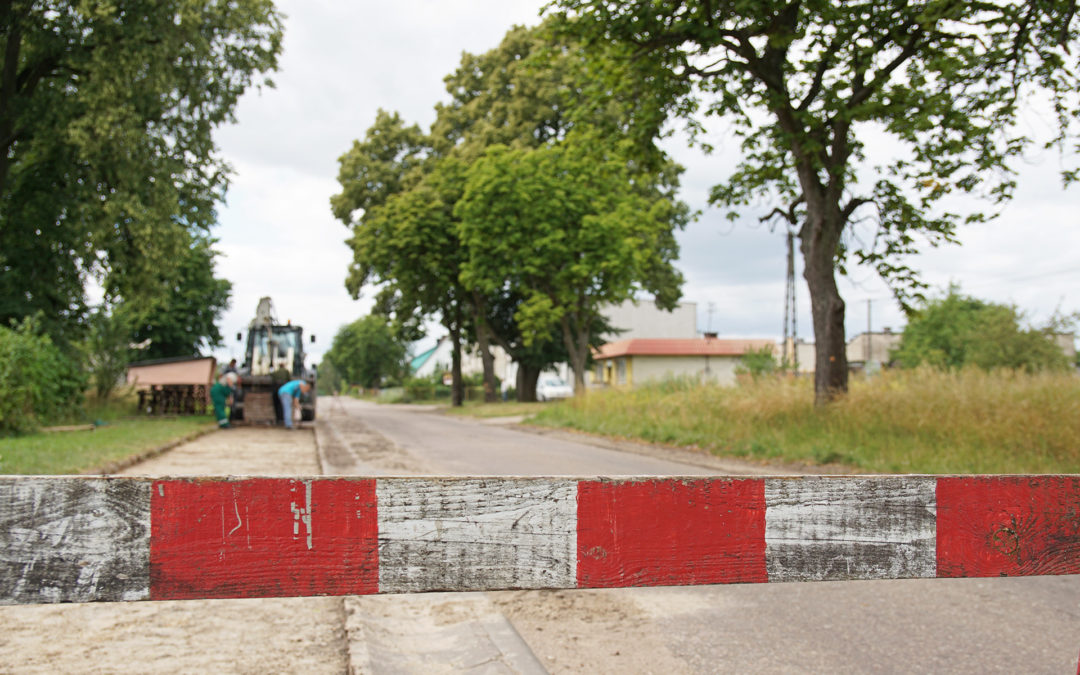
(274, 355)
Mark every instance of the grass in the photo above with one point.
(498, 409)
(119, 437)
(901, 422)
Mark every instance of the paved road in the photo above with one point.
(1023, 625)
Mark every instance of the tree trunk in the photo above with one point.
(577, 348)
(483, 341)
(827, 307)
(457, 387)
(527, 377)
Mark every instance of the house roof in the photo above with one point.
(680, 347)
(421, 359)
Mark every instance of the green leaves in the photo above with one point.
(106, 122)
(40, 383)
(957, 331)
(366, 352)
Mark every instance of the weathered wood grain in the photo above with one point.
(262, 537)
(649, 532)
(476, 534)
(992, 526)
(74, 539)
(83, 539)
(819, 529)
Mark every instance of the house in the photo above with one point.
(869, 351)
(637, 360)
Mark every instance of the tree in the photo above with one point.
(107, 349)
(957, 331)
(184, 321)
(803, 83)
(400, 186)
(107, 161)
(366, 352)
(573, 228)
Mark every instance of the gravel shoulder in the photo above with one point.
(274, 635)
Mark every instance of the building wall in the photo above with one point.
(645, 320)
(718, 369)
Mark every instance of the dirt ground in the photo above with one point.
(204, 636)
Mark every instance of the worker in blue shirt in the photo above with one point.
(289, 392)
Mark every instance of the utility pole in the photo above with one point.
(791, 326)
(869, 348)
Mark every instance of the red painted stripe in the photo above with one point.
(250, 538)
(1008, 526)
(670, 532)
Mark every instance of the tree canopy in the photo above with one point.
(108, 164)
(574, 229)
(184, 321)
(401, 186)
(957, 331)
(804, 83)
(366, 352)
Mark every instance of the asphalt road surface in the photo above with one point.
(1014, 625)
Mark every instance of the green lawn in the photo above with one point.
(73, 452)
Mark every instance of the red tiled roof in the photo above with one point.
(679, 347)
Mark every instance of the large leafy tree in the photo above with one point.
(573, 228)
(367, 351)
(184, 320)
(107, 162)
(803, 83)
(400, 186)
(396, 197)
(956, 331)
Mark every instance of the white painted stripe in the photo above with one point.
(476, 534)
(74, 540)
(850, 528)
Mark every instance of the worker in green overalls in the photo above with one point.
(221, 395)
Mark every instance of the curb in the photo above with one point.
(121, 464)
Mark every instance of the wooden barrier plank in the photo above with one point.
(74, 539)
(81, 539)
(818, 529)
(476, 534)
(670, 532)
(262, 537)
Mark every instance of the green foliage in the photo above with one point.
(184, 321)
(571, 226)
(107, 350)
(330, 381)
(367, 352)
(401, 188)
(757, 362)
(108, 164)
(802, 84)
(38, 381)
(957, 331)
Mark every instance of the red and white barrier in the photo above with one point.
(69, 539)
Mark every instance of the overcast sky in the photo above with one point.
(343, 61)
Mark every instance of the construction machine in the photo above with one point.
(274, 355)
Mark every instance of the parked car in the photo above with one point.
(551, 387)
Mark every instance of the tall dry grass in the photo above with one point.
(921, 421)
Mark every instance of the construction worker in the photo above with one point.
(221, 395)
(288, 394)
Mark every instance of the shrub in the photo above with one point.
(38, 381)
